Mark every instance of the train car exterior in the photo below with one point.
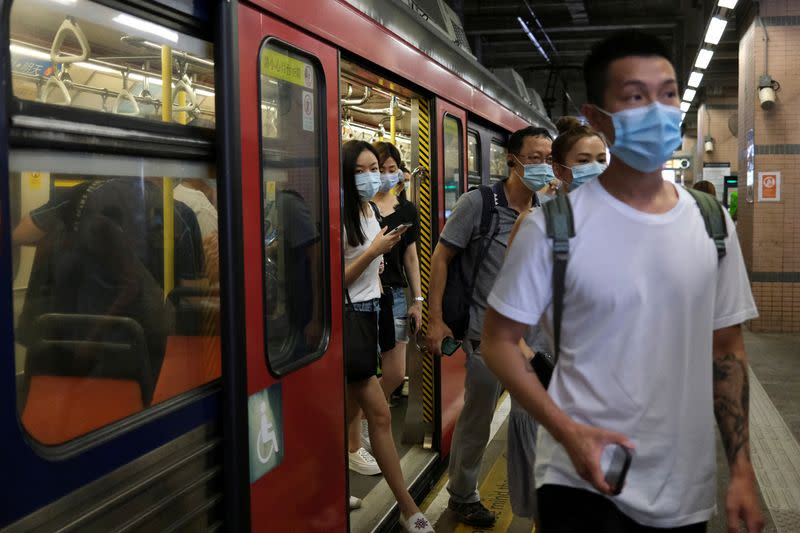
(210, 398)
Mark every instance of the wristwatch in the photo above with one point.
(419, 298)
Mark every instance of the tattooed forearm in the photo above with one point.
(731, 403)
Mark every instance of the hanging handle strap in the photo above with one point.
(69, 26)
(125, 95)
(53, 82)
(184, 86)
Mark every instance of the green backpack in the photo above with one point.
(561, 228)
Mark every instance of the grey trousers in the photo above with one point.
(481, 392)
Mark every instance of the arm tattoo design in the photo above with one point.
(731, 404)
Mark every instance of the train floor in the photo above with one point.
(774, 430)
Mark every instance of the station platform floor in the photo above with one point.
(774, 435)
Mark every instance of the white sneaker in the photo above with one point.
(416, 523)
(355, 503)
(365, 443)
(362, 462)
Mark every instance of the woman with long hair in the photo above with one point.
(365, 244)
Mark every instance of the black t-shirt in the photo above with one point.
(393, 271)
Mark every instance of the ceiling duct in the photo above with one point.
(513, 81)
(442, 16)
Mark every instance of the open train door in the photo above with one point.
(451, 136)
(287, 409)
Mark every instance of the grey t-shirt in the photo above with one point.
(462, 232)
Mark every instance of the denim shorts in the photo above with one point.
(400, 313)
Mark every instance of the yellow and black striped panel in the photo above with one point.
(425, 240)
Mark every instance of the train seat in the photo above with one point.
(189, 361)
(74, 385)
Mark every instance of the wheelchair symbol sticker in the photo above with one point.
(264, 411)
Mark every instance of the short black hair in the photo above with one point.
(518, 137)
(618, 45)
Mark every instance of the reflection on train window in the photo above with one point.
(453, 162)
(473, 158)
(498, 166)
(84, 55)
(292, 132)
(116, 299)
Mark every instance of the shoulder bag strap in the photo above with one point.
(560, 228)
(714, 219)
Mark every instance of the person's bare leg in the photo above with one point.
(369, 395)
(353, 425)
(393, 368)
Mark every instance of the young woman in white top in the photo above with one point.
(364, 247)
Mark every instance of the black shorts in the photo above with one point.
(386, 336)
(570, 510)
(360, 344)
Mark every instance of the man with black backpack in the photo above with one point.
(646, 356)
(465, 263)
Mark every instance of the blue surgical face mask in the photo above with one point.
(585, 172)
(537, 175)
(368, 184)
(645, 137)
(389, 180)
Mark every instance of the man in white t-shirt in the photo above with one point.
(649, 355)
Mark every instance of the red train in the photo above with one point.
(171, 253)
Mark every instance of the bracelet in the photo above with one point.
(419, 298)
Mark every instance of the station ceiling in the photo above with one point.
(572, 26)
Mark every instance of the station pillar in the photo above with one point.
(768, 215)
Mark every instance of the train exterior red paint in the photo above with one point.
(244, 440)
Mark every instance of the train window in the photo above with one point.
(293, 199)
(453, 162)
(473, 158)
(498, 166)
(84, 55)
(116, 299)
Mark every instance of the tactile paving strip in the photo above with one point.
(776, 459)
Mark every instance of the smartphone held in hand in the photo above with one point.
(615, 461)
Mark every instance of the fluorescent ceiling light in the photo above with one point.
(685, 106)
(532, 38)
(30, 52)
(683, 116)
(703, 58)
(146, 27)
(694, 79)
(715, 29)
(730, 4)
(688, 95)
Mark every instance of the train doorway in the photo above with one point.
(380, 111)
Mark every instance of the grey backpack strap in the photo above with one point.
(714, 219)
(560, 228)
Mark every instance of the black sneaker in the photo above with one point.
(472, 514)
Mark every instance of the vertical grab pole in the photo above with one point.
(393, 120)
(168, 203)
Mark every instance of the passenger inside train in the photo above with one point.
(366, 245)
